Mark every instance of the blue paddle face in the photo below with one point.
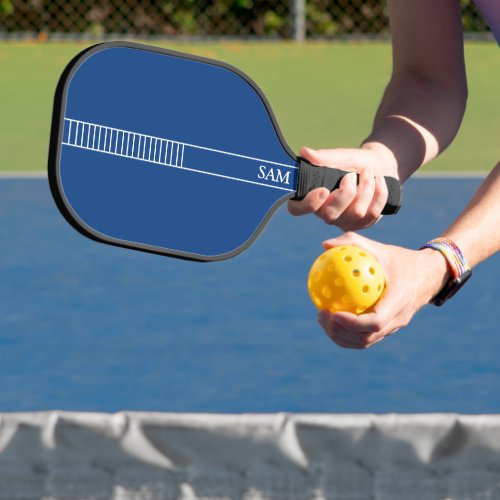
(159, 151)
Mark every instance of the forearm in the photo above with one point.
(416, 120)
(424, 103)
(477, 230)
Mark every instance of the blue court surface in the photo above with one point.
(90, 327)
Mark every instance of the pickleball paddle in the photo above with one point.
(171, 153)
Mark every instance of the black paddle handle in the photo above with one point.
(312, 177)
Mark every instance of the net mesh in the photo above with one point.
(154, 456)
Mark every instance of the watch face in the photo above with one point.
(451, 288)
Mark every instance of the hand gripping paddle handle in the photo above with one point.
(312, 177)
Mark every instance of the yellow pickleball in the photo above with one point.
(346, 278)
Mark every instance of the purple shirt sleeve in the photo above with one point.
(490, 9)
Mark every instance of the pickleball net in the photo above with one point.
(159, 456)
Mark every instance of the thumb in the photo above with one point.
(377, 249)
(339, 157)
(312, 155)
(349, 238)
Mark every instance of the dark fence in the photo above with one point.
(207, 18)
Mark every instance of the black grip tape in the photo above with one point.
(312, 177)
(393, 203)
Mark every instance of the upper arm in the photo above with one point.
(427, 40)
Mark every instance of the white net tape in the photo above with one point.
(155, 456)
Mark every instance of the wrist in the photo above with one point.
(386, 157)
(437, 272)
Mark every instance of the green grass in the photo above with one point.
(323, 94)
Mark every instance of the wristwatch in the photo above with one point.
(460, 270)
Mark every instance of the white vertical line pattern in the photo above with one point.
(167, 147)
(159, 151)
(172, 151)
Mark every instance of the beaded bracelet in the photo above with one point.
(460, 269)
(452, 254)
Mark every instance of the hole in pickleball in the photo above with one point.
(362, 254)
(346, 299)
(339, 281)
(360, 309)
(379, 287)
(317, 300)
(366, 289)
(372, 270)
(326, 292)
(348, 258)
(317, 276)
(356, 273)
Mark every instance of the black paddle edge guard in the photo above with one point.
(313, 177)
(56, 131)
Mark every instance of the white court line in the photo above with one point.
(40, 174)
(452, 174)
(23, 174)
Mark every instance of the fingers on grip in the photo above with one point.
(312, 177)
